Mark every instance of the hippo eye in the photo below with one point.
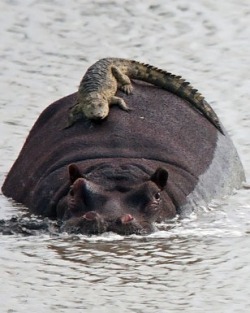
(71, 192)
(157, 196)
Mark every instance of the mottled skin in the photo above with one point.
(126, 172)
(97, 90)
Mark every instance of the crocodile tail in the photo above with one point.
(175, 84)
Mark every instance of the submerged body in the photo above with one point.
(127, 172)
(100, 83)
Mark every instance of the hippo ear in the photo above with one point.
(74, 173)
(160, 177)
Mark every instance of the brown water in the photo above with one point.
(202, 263)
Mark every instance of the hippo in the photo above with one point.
(127, 172)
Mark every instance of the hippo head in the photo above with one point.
(95, 206)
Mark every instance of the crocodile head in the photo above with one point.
(94, 106)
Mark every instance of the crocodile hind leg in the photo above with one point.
(123, 81)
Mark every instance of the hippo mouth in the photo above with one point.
(89, 223)
(92, 223)
(128, 225)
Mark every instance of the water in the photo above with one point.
(200, 264)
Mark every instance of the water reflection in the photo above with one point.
(144, 274)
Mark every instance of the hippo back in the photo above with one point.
(161, 130)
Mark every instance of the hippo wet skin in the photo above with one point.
(127, 172)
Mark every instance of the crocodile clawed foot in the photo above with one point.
(128, 88)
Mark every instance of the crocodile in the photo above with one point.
(99, 85)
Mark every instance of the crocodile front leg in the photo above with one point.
(75, 114)
(120, 102)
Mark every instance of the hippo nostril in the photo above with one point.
(126, 218)
(90, 216)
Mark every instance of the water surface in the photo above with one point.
(200, 264)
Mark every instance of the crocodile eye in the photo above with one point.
(157, 196)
